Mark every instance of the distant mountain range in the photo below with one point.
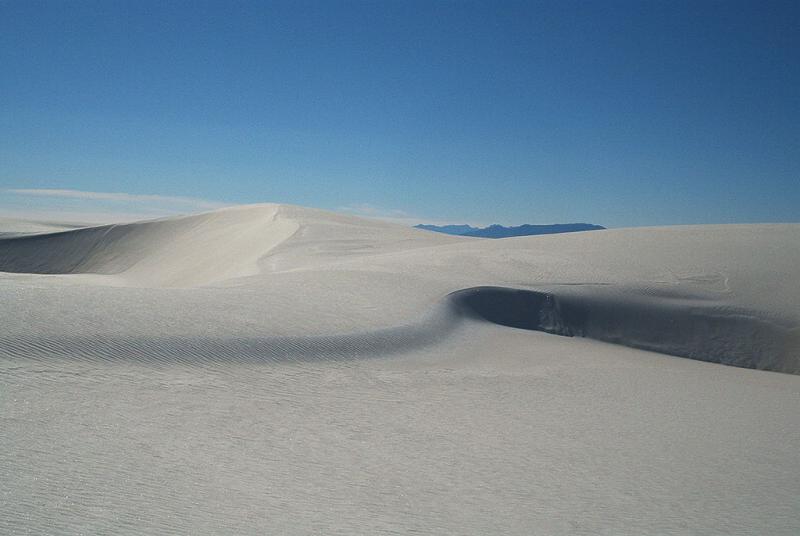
(498, 231)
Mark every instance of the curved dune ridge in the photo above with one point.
(729, 336)
(426, 331)
(684, 328)
(262, 241)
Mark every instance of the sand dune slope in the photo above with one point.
(195, 250)
(713, 294)
(278, 369)
(182, 251)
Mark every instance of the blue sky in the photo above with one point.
(617, 113)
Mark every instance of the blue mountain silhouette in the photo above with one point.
(499, 231)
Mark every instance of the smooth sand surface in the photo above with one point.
(277, 369)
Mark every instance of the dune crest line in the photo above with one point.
(684, 329)
(713, 294)
(182, 251)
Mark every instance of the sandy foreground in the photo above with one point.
(271, 369)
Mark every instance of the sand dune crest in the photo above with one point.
(184, 251)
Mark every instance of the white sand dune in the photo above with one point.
(15, 227)
(221, 369)
(184, 251)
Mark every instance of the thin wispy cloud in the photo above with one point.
(116, 196)
(57, 204)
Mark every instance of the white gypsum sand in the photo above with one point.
(277, 369)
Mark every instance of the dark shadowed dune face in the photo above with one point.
(679, 327)
(523, 309)
(54, 253)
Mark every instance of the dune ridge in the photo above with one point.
(195, 350)
(698, 317)
(179, 251)
(685, 328)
